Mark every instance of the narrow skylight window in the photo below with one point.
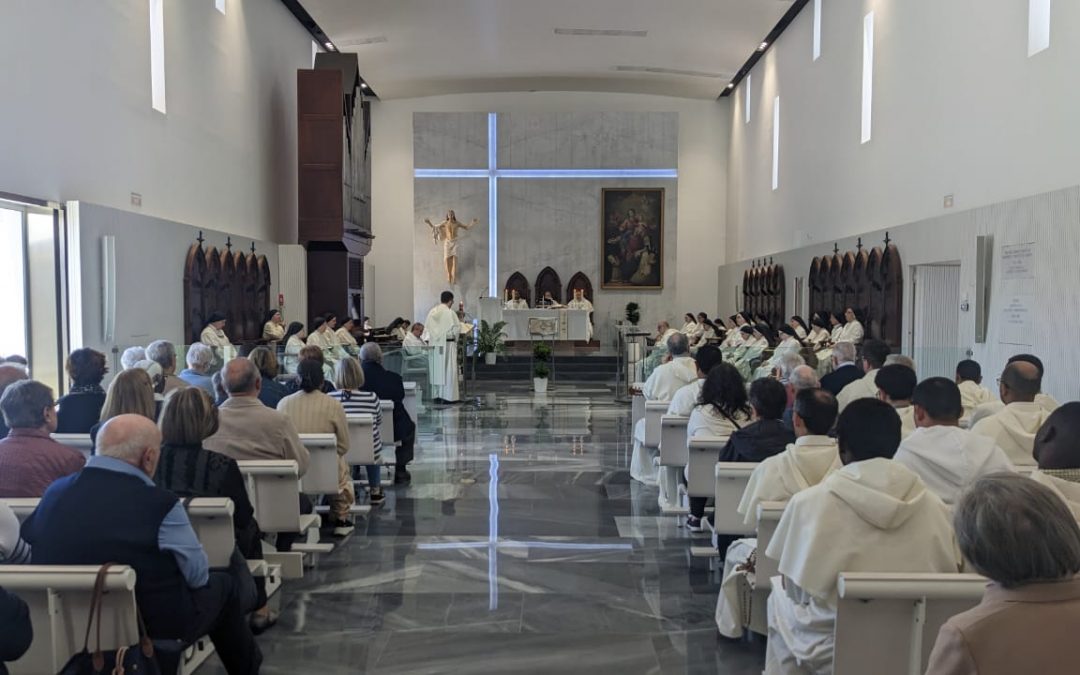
(817, 29)
(867, 75)
(776, 143)
(746, 95)
(1038, 26)
(219, 5)
(157, 55)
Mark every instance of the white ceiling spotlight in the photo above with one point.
(763, 46)
(363, 85)
(329, 46)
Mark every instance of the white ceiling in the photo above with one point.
(463, 46)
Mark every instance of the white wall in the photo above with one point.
(76, 121)
(959, 108)
(701, 185)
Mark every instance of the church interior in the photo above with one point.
(505, 336)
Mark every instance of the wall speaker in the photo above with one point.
(108, 288)
(984, 255)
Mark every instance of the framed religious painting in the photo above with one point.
(632, 238)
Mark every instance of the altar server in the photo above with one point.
(213, 334)
(1013, 427)
(873, 515)
(442, 330)
(946, 457)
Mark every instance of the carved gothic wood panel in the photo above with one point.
(765, 292)
(579, 280)
(235, 284)
(518, 282)
(548, 280)
(871, 283)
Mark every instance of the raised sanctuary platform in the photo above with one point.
(568, 369)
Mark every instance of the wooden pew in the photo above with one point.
(673, 459)
(322, 474)
(886, 623)
(80, 442)
(59, 599)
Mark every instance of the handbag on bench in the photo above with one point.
(134, 660)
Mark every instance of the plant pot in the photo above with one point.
(489, 358)
(540, 385)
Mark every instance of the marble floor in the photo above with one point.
(521, 546)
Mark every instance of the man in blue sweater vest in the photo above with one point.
(111, 511)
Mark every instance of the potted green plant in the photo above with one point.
(541, 370)
(633, 315)
(489, 340)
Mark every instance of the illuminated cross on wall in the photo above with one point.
(493, 173)
(493, 543)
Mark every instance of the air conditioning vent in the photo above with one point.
(593, 32)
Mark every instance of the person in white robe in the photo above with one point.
(798, 324)
(659, 352)
(686, 398)
(946, 457)
(1058, 455)
(1045, 401)
(1013, 427)
(706, 333)
(345, 339)
(853, 329)
(273, 327)
(972, 393)
(442, 330)
(824, 354)
(789, 344)
(895, 385)
(295, 336)
(323, 337)
(874, 353)
(818, 336)
(804, 463)
(213, 334)
(763, 338)
(873, 515)
(548, 301)
(662, 384)
(734, 336)
(690, 326)
(516, 301)
(414, 344)
(581, 302)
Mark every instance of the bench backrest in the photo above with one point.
(80, 442)
(362, 438)
(886, 623)
(702, 452)
(274, 487)
(59, 600)
(386, 430)
(729, 484)
(654, 410)
(637, 409)
(768, 517)
(322, 474)
(21, 506)
(411, 400)
(673, 440)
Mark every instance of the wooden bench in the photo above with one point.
(886, 623)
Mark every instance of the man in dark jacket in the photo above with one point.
(388, 386)
(766, 435)
(17, 633)
(845, 371)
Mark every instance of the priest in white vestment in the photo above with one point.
(1058, 455)
(895, 385)
(946, 457)
(516, 301)
(581, 302)
(213, 334)
(665, 380)
(873, 515)
(442, 330)
(414, 344)
(1013, 427)
(874, 353)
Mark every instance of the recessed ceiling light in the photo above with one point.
(762, 46)
(330, 46)
(601, 32)
(363, 85)
(731, 85)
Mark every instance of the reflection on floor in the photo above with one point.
(522, 546)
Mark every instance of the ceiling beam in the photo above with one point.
(769, 41)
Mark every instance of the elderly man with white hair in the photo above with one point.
(163, 353)
(131, 356)
(801, 377)
(662, 385)
(197, 374)
(111, 511)
(844, 369)
(388, 386)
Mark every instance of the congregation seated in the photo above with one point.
(844, 369)
(132, 355)
(802, 464)
(1044, 400)
(163, 353)
(388, 386)
(735, 336)
(199, 358)
(295, 336)
(872, 515)
(690, 327)
(766, 434)
(213, 333)
(706, 333)
(686, 397)
(270, 391)
(322, 335)
(969, 380)
(346, 340)
(789, 345)
(818, 336)
(9, 374)
(349, 380)
(187, 469)
(946, 457)
(722, 409)
(853, 330)
(661, 385)
(80, 407)
(312, 353)
(111, 511)
(248, 430)
(1013, 428)
(1022, 537)
(30, 460)
(130, 393)
(895, 385)
(273, 330)
(874, 353)
(1058, 455)
(313, 412)
(801, 377)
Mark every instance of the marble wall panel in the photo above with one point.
(450, 140)
(588, 140)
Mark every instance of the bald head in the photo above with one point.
(1020, 382)
(1057, 443)
(678, 345)
(241, 377)
(131, 438)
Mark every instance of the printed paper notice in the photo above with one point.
(1018, 262)
(1017, 321)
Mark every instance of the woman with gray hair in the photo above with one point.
(1021, 536)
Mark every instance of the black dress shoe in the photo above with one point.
(401, 476)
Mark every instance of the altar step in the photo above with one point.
(567, 369)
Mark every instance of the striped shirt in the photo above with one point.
(13, 550)
(363, 403)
